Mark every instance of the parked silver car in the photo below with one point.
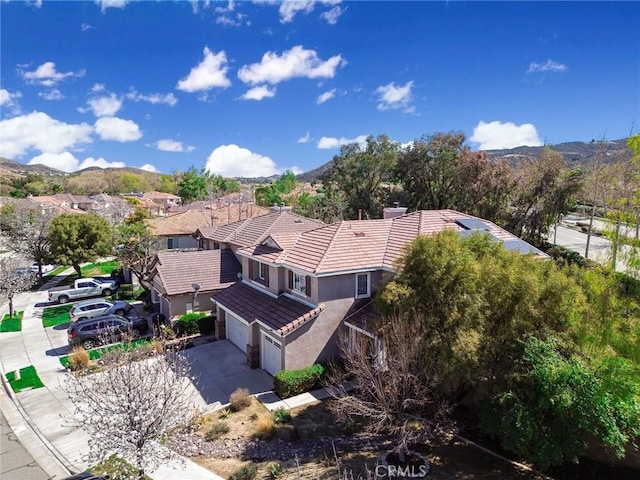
(98, 306)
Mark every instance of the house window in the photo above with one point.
(363, 285)
(299, 283)
(263, 271)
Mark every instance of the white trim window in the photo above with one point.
(299, 283)
(262, 270)
(363, 285)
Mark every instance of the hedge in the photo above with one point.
(194, 323)
(288, 383)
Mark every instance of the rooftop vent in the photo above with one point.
(359, 234)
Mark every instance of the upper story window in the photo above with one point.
(299, 283)
(263, 271)
(363, 285)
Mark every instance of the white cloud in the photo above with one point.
(289, 9)
(153, 98)
(169, 145)
(148, 168)
(209, 73)
(392, 97)
(103, 106)
(259, 92)
(326, 96)
(118, 129)
(54, 94)
(99, 162)
(548, 66)
(332, 15)
(229, 8)
(496, 135)
(104, 4)
(8, 99)
(86, 26)
(305, 139)
(326, 143)
(97, 87)
(234, 161)
(236, 20)
(47, 75)
(295, 63)
(39, 131)
(64, 161)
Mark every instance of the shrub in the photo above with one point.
(188, 323)
(246, 472)
(281, 415)
(288, 383)
(125, 292)
(217, 430)
(206, 324)
(275, 470)
(265, 426)
(240, 399)
(79, 358)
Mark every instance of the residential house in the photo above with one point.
(301, 288)
(178, 292)
(178, 231)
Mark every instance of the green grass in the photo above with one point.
(28, 379)
(102, 268)
(13, 324)
(96, 353)
(52, 316)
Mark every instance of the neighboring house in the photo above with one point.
(156, 203)
(178, 292)
(300, 288)
(179, 231)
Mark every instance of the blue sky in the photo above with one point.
(255, 88)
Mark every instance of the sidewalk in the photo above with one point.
(36, 416)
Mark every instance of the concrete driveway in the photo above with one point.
(220, 368)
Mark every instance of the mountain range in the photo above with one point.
(575, 153)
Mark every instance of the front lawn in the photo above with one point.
(28, 379)
(13, 324)
(96, 353)
(52, 316)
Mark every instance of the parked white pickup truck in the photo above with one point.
(82, 288)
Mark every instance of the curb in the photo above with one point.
(43, 451)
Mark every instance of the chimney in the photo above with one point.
(395, 211)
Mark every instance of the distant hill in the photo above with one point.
(575, 153)
(16, 169)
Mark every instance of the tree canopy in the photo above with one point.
(79, 238)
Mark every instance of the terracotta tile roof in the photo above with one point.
(362, 315)
(160, 196)
(211, 269)
(253, 231)
(282, 314)
(374, 244)
(189, 221)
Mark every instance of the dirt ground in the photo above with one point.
(452, 459)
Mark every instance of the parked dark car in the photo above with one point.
(86, 476)
(105, 329)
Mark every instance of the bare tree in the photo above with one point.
(12, 280)
(131, 408)
(27, 231)
(394, 389)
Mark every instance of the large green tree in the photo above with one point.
(136, 246)
(79, 238)
(439, 172)
(546, 189)
(362, 174)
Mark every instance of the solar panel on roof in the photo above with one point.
(521, 246)
(472, 224)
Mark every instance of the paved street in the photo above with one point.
(40, 418)
(16, 463)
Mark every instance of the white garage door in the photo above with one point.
(271, 354)
(237, 332)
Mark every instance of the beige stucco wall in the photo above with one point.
(178, 303)
(317, 340)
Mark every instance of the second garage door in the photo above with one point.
(271, 354)
(237, 332)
